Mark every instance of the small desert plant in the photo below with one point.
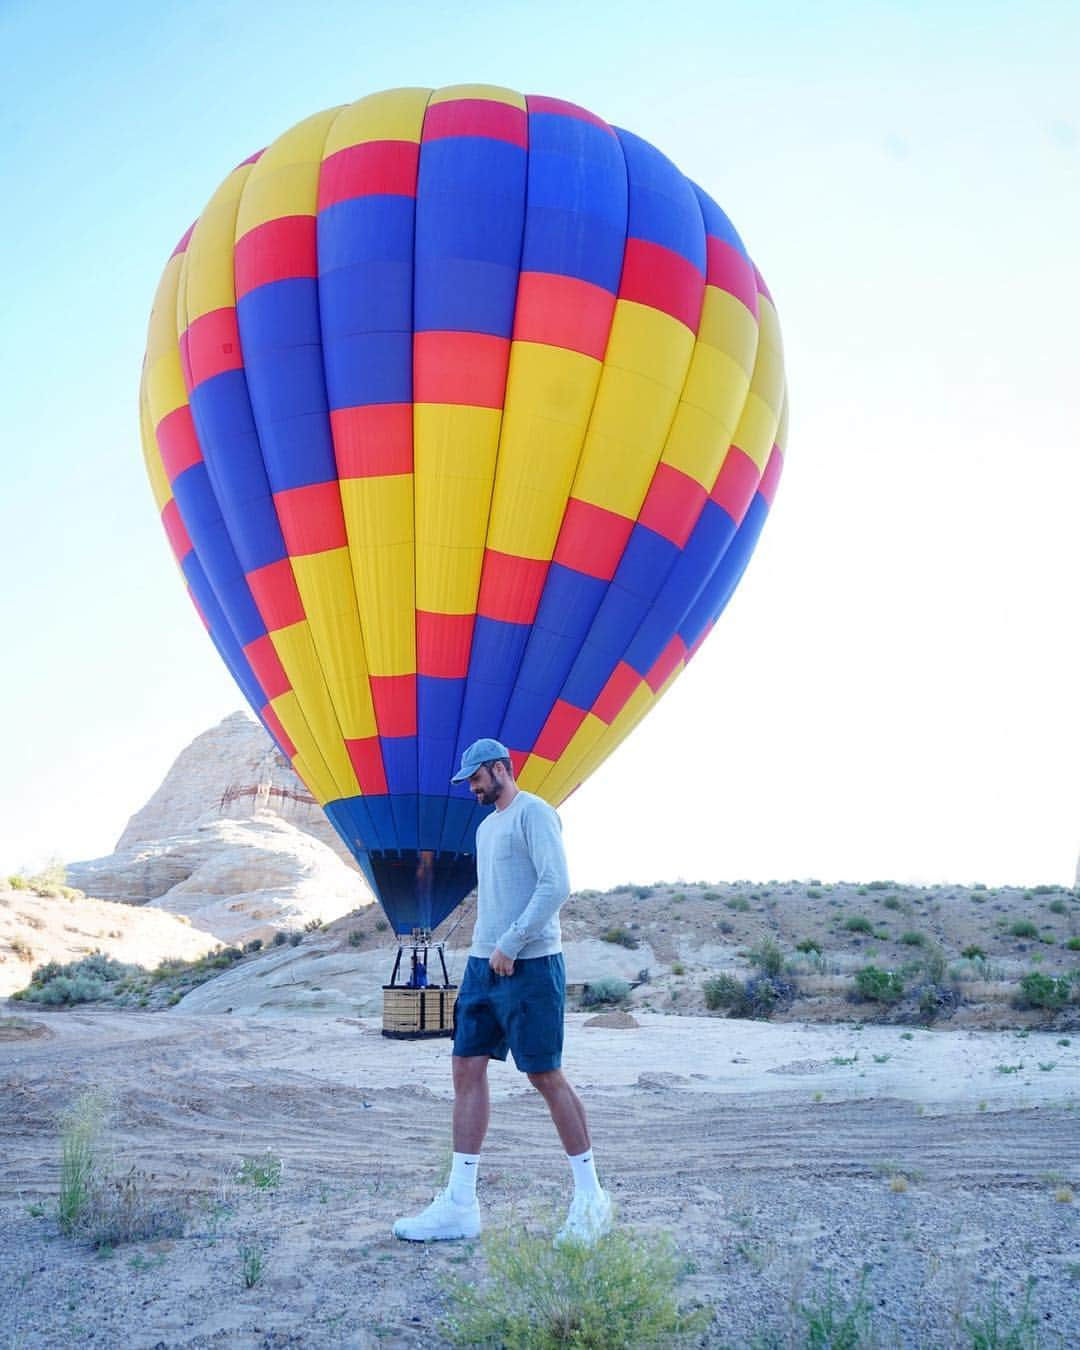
(22, 949)
(739, 903)
(879, 986)
(891, 902)
(858, 923)
(252, 1263)
(126, 1209)
(280, 938)
(833, 1325)
(1057, 907)
(1043, 991)
(972, 952)
(621, 1292)
(18, 883)
(80, 1135)
(622, 937)
(295, 938)
(814, 892)
(1073, 944)
(255, 945)
(381, 925)
(642, 892)
(808, 945)
(1023, 928)
(913, 939)
(356, 937)
(313, 926)
(678, 968)
(263, 1173)
(993, 1329)
(609, 989)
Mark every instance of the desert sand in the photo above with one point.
(770, 1153)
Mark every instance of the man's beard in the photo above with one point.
(490, 795)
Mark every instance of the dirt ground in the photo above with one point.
(771, 1153)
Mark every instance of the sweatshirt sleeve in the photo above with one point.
(543, 834)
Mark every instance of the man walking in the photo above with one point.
(512, 997)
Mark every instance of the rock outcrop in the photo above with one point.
(233, 840)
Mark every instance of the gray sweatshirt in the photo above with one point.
(523, 881)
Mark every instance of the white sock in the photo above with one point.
(463, 1178)
(586, 1181)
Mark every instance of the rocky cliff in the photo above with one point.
(233, 840)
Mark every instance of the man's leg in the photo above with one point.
(566, 1110)
(591, 1210)
(472, 1102)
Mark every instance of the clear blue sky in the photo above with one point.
(908, 178)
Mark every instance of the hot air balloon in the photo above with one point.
(463, 411)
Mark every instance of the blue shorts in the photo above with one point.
(522, 1012)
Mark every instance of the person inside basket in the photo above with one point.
(512, 998)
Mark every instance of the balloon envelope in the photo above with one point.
(463, 412)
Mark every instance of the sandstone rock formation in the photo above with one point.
(233, 840)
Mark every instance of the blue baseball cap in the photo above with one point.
(480, 752)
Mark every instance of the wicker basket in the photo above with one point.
(411, 1013)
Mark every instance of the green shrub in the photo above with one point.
(1043, 991)
(313, 926)
(18, 883)
(808, 945)
(891, 902)
(739, 903)
(296, 937)
(814, 892)
(255, 945)
(710, 895)
(678, 968)
(858, 923)
(721, 991)
(972, 952)
(94, 977)
(642, 892)
(768, 957)
(280, 938)
(608, 989)
(1023, 928)
(1057, 907)
(620, 1292)
(381, 925)
(935, 965)
(1073, 944)
(762, 995)
(879, 986)
(913, 939)
(356, 937)
(621, 937)
(881, 885)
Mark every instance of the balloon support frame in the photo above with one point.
(413, 1009)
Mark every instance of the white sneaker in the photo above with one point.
(588, 1220)
(443, 1219)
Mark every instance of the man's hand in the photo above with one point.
(500, 964)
